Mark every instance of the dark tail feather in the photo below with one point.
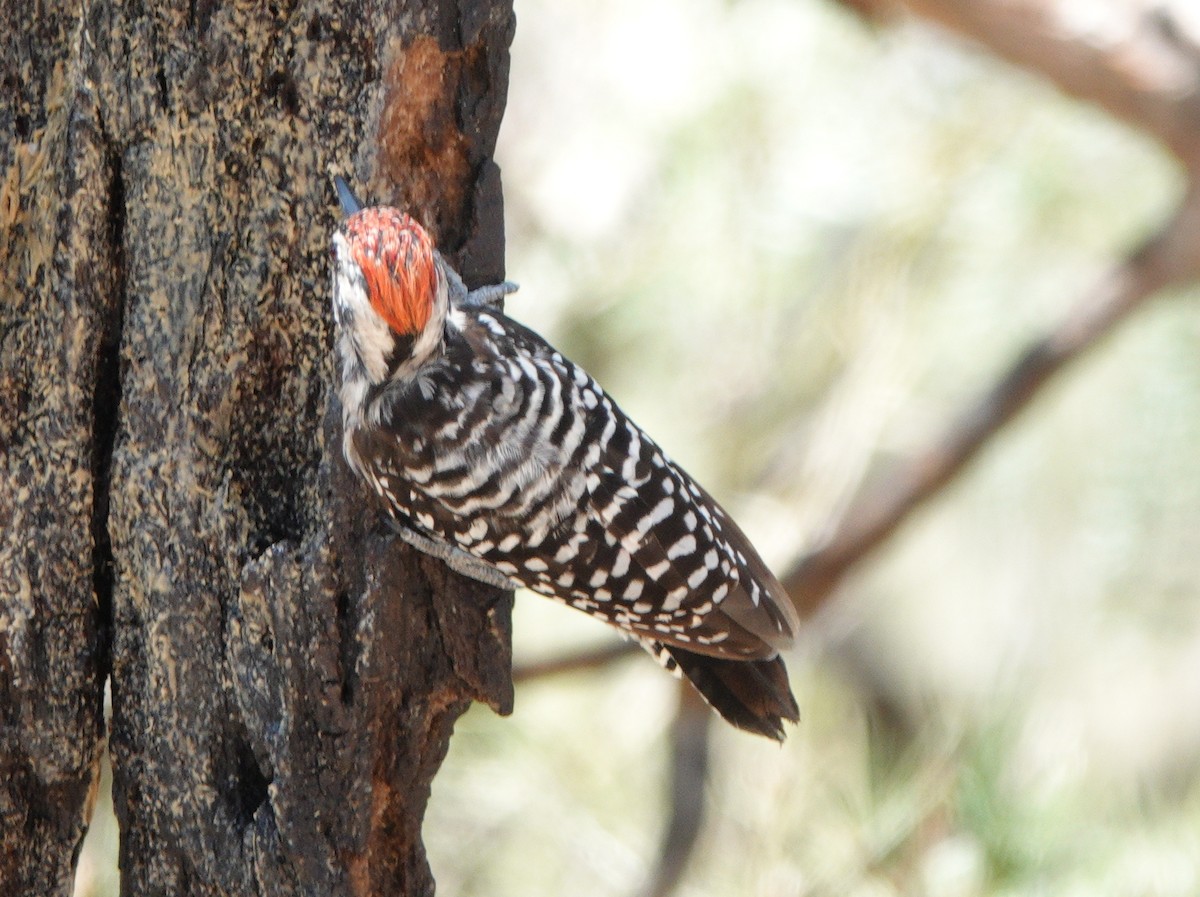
(751, 694)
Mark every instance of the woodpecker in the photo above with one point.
(493, 452)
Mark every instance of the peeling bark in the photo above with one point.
(174, 506)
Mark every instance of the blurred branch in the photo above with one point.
(1147, 73)
(582, 659)
(1136, 60)
(689, 771)
(689, 759)
(1170, 258)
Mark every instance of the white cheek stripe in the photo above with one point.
(368, 333)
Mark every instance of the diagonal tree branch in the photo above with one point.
(1170, 258)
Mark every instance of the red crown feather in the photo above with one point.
(396, 257)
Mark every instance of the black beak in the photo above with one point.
(350, 203)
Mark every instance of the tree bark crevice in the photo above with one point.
(106, 410)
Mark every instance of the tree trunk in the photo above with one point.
(175, 510)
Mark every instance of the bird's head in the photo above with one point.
(390, 293)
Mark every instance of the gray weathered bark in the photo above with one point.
(174, 506)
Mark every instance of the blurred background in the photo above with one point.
(795, 247)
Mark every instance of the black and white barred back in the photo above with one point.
(492, 450)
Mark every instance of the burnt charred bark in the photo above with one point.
(175, 512)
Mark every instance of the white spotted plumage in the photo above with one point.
(492, 450)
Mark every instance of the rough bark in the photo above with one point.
(54, 304)
(173, 496)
